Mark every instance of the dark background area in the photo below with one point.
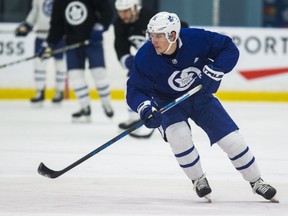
(256, 13)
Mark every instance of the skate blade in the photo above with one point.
(82, 120)
(56, 104)
(137, 134)
(109, 114)
(208, 198)
(37, 105)
(142, 132)
(108, 111)
(274, 199)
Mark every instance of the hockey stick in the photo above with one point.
(7, 31)
(64, 49)
(49, 173)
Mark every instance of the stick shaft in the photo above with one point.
(7, 31)
(61, 50)
(45, 171)
(70, 47)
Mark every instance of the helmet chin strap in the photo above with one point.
(170, 45)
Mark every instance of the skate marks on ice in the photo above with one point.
(132, 177)
(128, 196)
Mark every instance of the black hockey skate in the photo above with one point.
(38, 98)
(83, 115)
(126, 125)
(202, 188)
(108, 110)
(265, 190)
(141, 133)
(59, 96)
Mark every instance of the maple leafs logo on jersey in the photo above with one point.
(182, 80)
(185, 79)
(76, 13)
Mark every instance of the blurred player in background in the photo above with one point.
(173, 62)
(130, 31)
(79, 21)
(38, 19)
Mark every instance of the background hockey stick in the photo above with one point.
(64, 49)
(49, 173)
(7, 32)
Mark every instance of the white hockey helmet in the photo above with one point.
(126, 4)
(164, 22)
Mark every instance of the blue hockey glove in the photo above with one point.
(96, 35)
(211, 78)
(45, 51)
(23, 29)
(149, 114)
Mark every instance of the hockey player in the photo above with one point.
(81, 20)
(129, 28)
(170, 64)
(130, 31)
(39, 18)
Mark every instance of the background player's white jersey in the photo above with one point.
(39, 16)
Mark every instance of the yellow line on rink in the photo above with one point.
(253, 96)
(23, 94)
(119, 94)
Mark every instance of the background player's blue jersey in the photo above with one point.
(162, 76)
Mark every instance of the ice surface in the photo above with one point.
(132, 176)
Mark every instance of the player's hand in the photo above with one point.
(96, 35)
(149, 114)
(23, 29)
(45, 51)
(211, 78)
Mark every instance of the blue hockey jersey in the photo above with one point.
(168, 77)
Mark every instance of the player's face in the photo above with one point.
(159, 42)
(126, 15)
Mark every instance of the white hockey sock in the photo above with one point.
(101, 81)
(40, 73)
(61, 74)
(180, 139)
(78, 83)
(40, 79)
(240, 155)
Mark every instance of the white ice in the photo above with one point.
(132, 176)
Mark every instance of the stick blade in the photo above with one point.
(45, 171)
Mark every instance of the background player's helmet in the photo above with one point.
(164, 22)
(125, 4)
